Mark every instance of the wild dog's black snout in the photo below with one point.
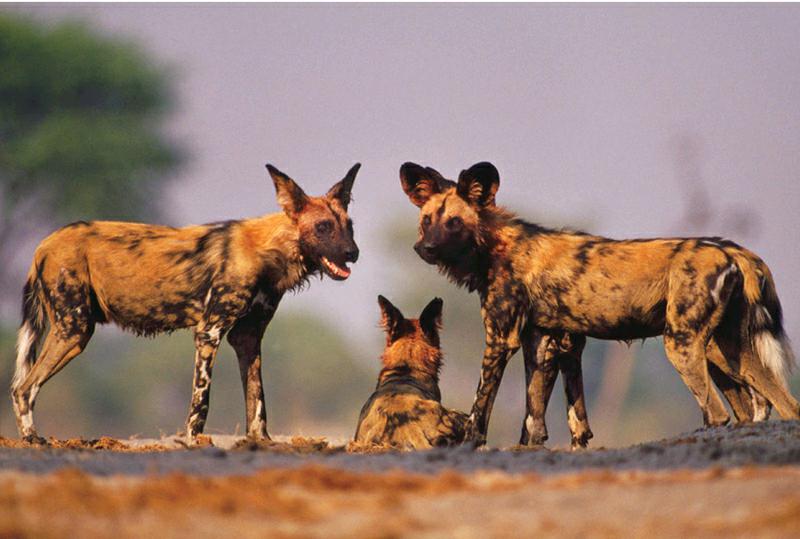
(351, 254)
(425, 249)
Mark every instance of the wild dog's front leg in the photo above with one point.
(245, 338)
(503, 317)
(206, 342)
(569, 362)
(494, 363)
(541, 371)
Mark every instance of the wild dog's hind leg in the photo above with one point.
(71, 326)
(58, 350)
(245, 338)
(541, 371)
(569, 363)
(747, 403)
(737, 395)
(767, 385)
(761, 406)
(694, 310)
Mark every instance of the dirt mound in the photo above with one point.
(298, 445)
(104, 443)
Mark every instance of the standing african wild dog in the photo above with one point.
(405, 411)
(547, 290)
(219, 278)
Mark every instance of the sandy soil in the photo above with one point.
(314, 501)
(742, 481)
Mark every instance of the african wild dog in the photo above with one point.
(221, 278)
(405, 411)
(546, 290)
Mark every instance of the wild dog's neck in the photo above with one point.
(412, 357)
(497, 231)
(274, 241)
(405, 374)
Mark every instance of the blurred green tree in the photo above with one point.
(80, 118)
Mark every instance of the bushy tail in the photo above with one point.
(31, 330)
(762, 326)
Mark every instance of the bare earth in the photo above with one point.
(736, 481)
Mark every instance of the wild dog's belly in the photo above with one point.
(603, 316)
(153, 311)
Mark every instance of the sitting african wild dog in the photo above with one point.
(405, 411)
(218, 279)
(546, 290)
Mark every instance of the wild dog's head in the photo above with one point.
(450, 217)
(326, 231)
(412, 343)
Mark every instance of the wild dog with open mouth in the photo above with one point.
(405, 411)
(711, 299)
(221, 278)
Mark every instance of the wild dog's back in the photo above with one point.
(401, 419)
(151, 278)
(405, 411)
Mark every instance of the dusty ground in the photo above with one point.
(742, 481)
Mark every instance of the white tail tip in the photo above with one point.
(25, 340)
(775, 354)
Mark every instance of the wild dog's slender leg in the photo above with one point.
(763, 380)
(58, 350)
(694, 311)
(686, 352)
(71, 327)
(504, 315)
(223, 306)
(495, 359)
(245, 338)
(569, 363)
(761, 406)
(206, 341)
(736, 394)
(724, 359)
(541, 371)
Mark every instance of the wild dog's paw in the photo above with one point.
(474, 438)
(581, 441)
(195, 442)
(35, 439)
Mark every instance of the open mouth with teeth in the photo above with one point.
(337, 272)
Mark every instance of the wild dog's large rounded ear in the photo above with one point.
(341, 191)
(420, 183)
(391, 318)
(478, 184)
(291, 198)
(431, 319)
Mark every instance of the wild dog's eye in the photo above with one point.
(454, 223)
(426, 220)
(324, 227)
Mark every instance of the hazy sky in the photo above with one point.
(580, 107)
